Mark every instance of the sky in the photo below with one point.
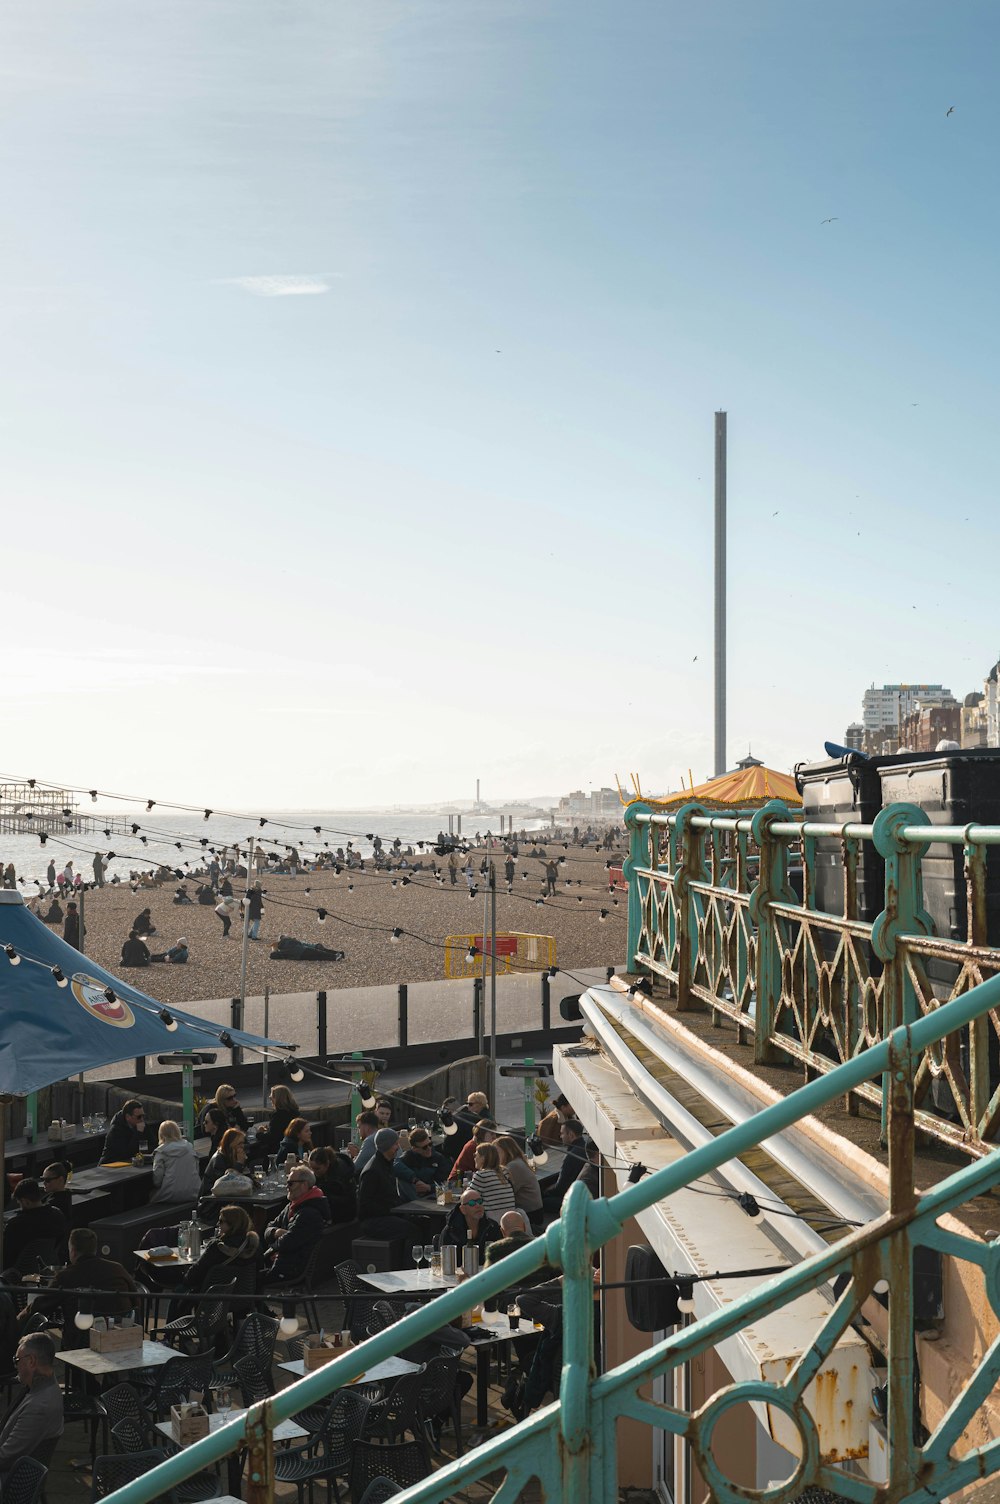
(359, 370)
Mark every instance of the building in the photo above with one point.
(923, 728)
(991, 706)
(973, 721)
(854, 737)
(886, 707)
(599, 804)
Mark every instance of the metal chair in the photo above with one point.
(327, 1453)
(129, 1438)
(380, 1489)
(112, 1473)
(405, 1462)
(255, 1339)
(208, 1319)
(358, 1298)
(178, 1378)
(317, 1270)
(399, 1410)
(439, 1396)
(384, 1313)
(255, 1382)
(88, 1410)
(24, 1482)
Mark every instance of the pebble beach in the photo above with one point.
(359, 922)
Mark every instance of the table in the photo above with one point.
(486, 1335)
(285, 1430)
(100, 1177)
(425, 1206)
(151, 1355)
(40, 1148)
(389, 1368)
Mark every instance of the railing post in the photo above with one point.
(260, 1455)
(403, 1017)
(980, 1029)
(321, 1018)
(904, 914)
(575, 1247)
(640, 849)
(772, 886)
(687, 848)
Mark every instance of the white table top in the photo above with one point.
(408, 1281)
(285, 1430)
(389, 1368)
(151, 1355)
(146, 1254)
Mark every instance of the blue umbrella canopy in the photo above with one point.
(61, 1013)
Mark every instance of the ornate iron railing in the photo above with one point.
(570, 1446)
(712, 912)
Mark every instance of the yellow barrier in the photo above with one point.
(467, 955)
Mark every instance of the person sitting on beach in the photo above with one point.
(135, 952)
(205, 895)
(143, 923)
(54, 914)
(177, 955)
(181, 894)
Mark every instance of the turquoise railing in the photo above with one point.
(712, 913)
(569, 1447)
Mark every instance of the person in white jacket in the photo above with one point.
(175, 1167)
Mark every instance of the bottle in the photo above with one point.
(183, 1239)
(194, 1242)
(470, 1255)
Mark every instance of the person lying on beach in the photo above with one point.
(287, 948)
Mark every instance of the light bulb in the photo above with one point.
(880, 1287)
(748, 1204)
(84, 1320)
(685, 1303)
(59, 978)
(321, 916)
(396, 936)
(295, 1070)
(288, 1326)
(12, 955)
(470, 956)
(168, 1021)
(447, 1123)
(226, 1039)
(540, 1158)
(603, 917)
(539, 903)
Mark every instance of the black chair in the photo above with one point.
(177, 1379)
(122, 1402)
(327, 1453)
(318, 1269)
(206, 1322)
(384, 1313)
(24, 1481)
(358, 1298)
(129, 1437)
(380, 1489)
(405, 1462)
(253, 1380)
(112, 1473)
(440, 1398)
(88, 1410)
(255, 1339)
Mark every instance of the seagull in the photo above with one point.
(830, 220)
(774, 514)
(695, 658)
(949, 111)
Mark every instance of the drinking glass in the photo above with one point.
(418, 1255)
(223, 1399)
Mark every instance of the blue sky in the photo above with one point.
(360, 364)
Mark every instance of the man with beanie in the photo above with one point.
(378, 1191)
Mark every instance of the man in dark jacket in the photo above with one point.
(470, 1216)
(121, 1143)
(143, 923)
(86, 1271)
(554, 1190)
(35, 1222)
(71, 926)
(135, 952)
(34, 1422)
(296, 1230)
(378, 1191)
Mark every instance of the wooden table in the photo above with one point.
(101, 1177)
(425, 1206)
(150, 1355)
(40, 1148)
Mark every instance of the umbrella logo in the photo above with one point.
(92, 995)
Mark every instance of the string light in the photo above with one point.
(470, 956)
(60, 979)
(294, 1069)
(538, 1150)
(636, 1173)
(447, 1121)
(321, 916)
(748, 1203)
(685, 1295)
(396, 936)
(12, 955)
(288, 1326)
(84, 1320)
(167, 1020)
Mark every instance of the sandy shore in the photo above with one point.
(421, 908)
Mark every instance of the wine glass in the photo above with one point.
(419, 1253)
(223, 1399)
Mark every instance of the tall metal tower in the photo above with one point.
(720, 593)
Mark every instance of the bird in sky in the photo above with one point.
(949, 111)
(695, 658)
(774, 514)
(830, 220)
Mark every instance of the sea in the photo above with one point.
(185, 841)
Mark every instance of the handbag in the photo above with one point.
(232, 1183)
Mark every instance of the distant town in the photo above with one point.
(917, 717)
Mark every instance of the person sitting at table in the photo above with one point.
(57, 1193)
(554, 1188)
(474, 1110)
(175, 1166)
(548, 1128)
(34, 1222)
(297, 1141)
(527, 1191)
(335, 1178)
(121, 1143)
(135, 952)
(424, 1160)
(483, 1133)
(34, 1422)
(293, 1234)
(283, 1109)
(231, 1155)
(367, 1127)
(85, 1271)
(235, 1246)
(515, 1233)
(469, 1216)
(491, 1181)
(378, 1191)
(228, 1103)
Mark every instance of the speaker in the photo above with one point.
(650, 1307)
(377, 1255)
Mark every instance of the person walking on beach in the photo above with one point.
(551, 873)
(98, 869)
(255, 910)
(508, 872)
(260, 860)
(453, 869)
(71, 926)
(470, 875)
(50, 874)
(226, 909)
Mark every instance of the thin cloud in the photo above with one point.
(283, 286)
